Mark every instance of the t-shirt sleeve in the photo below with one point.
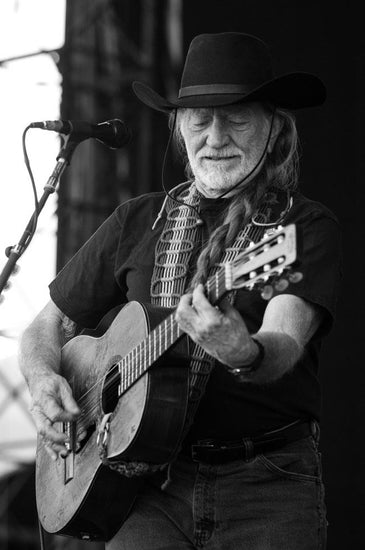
(320, 263)
(86, 288)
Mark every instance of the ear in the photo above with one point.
(276, 129)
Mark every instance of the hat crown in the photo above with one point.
(227, 58)
(232, 67)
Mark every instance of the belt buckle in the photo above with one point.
(198, 449)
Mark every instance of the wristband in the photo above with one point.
(254, 365)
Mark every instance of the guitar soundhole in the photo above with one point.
(110, 392)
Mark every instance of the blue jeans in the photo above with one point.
(273, 502)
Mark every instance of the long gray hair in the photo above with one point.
(279, 172)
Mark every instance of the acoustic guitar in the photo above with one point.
(133, 402)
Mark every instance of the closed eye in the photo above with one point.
(238, 122)
(200, 124)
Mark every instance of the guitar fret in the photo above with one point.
(142, 358)
(126, 371)
(129, 368)
(120, 388)
(133, 367)
(160, 338)
(153, 334)
(138, 366)
(122, 377)
(209, 290)
(166, 335)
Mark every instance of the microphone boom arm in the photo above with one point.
(16, 251)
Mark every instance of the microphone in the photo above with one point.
(113, 133)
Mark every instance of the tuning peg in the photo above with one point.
(267, 292)
(295, 276)
(281, 285)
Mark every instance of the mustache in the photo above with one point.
(220, 155)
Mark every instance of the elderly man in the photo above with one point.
(246, 472)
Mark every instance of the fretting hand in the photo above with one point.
(220, 332)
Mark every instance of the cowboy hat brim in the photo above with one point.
(290, 91)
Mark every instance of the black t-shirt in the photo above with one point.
(115, 266)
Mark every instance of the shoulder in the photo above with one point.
(148, 202)
(305, 209)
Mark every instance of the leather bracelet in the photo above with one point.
(254, 365)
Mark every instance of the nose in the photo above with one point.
(217, 133)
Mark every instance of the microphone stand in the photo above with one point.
(13, 253)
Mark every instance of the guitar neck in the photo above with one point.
(162, 337)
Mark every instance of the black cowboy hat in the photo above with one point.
(231, 67)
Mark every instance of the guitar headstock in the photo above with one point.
(267, 265)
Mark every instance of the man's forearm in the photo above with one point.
(281, 354)
(40, 352)
(41, 344)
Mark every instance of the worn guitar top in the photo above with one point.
(115, 266)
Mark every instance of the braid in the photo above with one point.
(237, 215)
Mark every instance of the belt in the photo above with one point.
(219, 452)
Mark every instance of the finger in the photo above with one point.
(204, 308)
(184, 312)
(185, 301)
(55, 450)
(50, 451)
(227, 309)
(70, 407)
(45, 427)
(81, 435)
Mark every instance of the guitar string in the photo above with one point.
(90, 403)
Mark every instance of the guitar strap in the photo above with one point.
(172, 259)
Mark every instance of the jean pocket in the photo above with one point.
(298, 461)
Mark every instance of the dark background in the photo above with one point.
(327, 39)
(98, 65)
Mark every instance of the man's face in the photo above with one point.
(224, 144)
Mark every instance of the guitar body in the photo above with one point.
(80, 496)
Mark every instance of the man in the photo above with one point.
(247, 471)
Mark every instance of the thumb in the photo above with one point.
(225, 306)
